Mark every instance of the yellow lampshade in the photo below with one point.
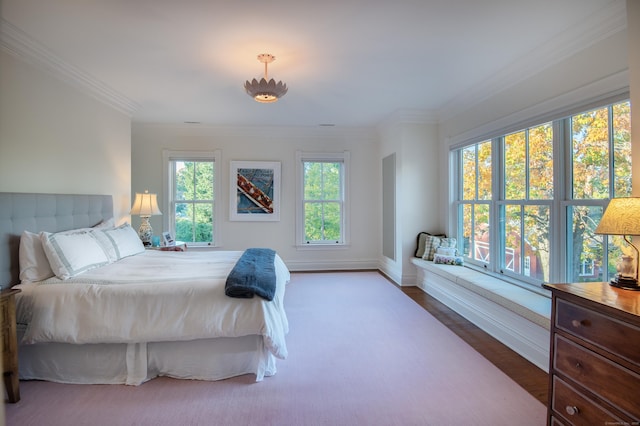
(145, 205)
(622, 217)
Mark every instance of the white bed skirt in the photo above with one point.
(135, 363)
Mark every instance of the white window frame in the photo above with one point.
(341, 157)
(168, 156)
(562, 193)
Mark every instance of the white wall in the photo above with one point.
(55, 139)
(273, 144)
(418, 183)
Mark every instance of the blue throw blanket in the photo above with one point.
(254, 273)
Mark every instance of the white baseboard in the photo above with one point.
(331, 265)
(391, 270)
(518, 333)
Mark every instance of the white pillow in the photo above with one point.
(122, 241)
(34, 265)
(105, 224)
(72, 252)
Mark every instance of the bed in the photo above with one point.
(136, 316)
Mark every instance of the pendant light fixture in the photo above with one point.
(265, 91)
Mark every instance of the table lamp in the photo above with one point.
(145, 205)
(622, 217)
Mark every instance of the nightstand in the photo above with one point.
(9, 343)
(178, 246)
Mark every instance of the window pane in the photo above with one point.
(331, 181)
(203, 180)
(194, 222)
(481, 232)
(185, 188)
(184, 222)
(466, 226)
(515, 156)
(529, 257)
(312, 181)
(313, 221)
(536, 256)
(586, 250)
(622, 149)
(541, 162)
(484, 171)
(331, 223)
(203, 223)
(512, 237)
(469, 173)
(590, 148)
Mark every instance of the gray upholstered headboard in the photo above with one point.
(43, 212)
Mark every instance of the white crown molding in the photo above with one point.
(607, 21)
(19, 44)
(589, 95)
(290, 133)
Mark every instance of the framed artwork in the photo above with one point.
(167, 239)
(255, 191)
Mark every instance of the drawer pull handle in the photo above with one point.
(578, 365)
(571, 410)
(577, 323)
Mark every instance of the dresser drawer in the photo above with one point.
(617, 337)
(578, 408)
(609, 381)
(556, 422)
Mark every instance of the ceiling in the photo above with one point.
(346, 62)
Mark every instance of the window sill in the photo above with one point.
(303, 247)
(534, 306)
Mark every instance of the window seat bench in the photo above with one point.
(517, 317)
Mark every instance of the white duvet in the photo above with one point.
(156, 296)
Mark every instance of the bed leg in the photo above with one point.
(12, 383)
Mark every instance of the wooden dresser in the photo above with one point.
(594, 367)
(9, 343)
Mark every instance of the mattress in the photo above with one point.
(156, 313)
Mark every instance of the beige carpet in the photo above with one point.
(360, 353)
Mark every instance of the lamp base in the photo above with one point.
(625, 283)
(145, 232)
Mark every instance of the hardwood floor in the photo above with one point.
(527, 375)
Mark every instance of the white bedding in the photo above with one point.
(156, 296)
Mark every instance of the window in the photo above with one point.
(527, 202)
(474, 214)
(528, 196)
(600, 158)
(191, 190)
(322, 195)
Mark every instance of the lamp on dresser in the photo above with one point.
(622, 217)
(145, 205)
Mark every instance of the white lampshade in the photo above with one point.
(622, 217)
(145, 205)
